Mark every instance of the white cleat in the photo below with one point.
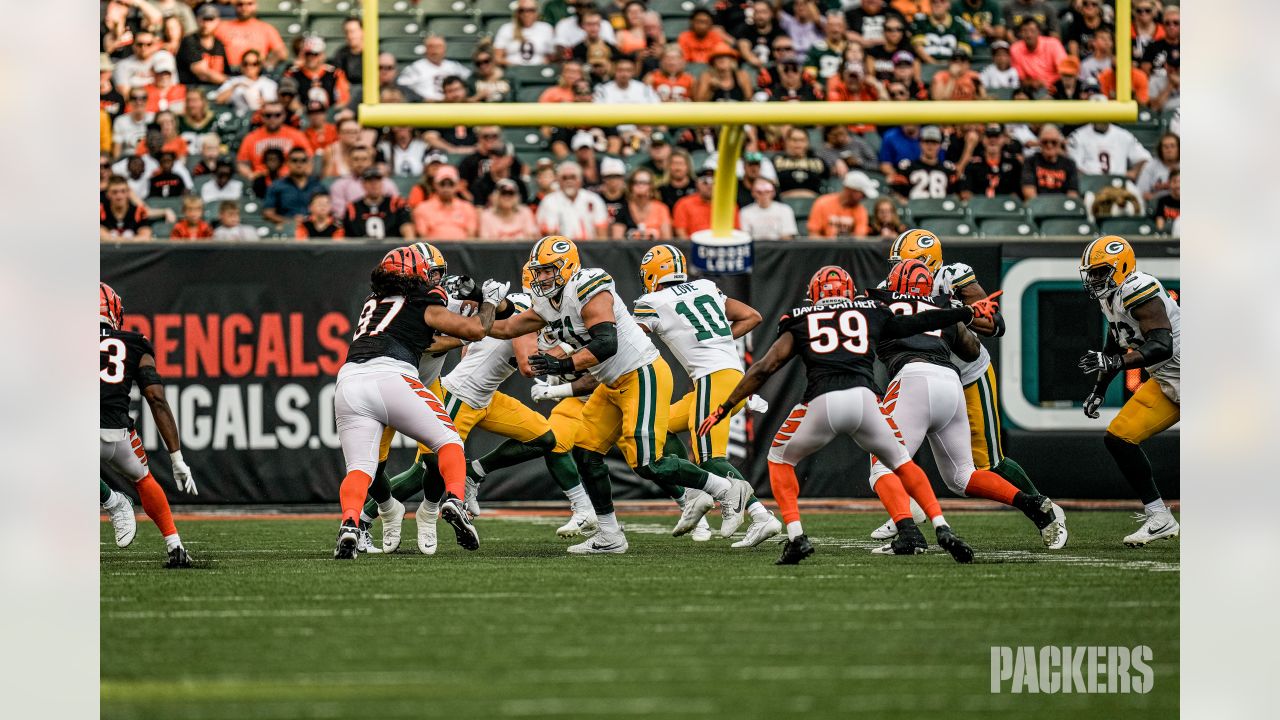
(120, 510)
(702, 531)
(470, 500)
(1156, 526)
(733, 507)
(692, 510)
(759, 531)
(579, 524)
(365, 543)
(391, 526)
(602, 543)
(427, 541)
(1054, 534)
(887, 531)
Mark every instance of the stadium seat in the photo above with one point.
(404, 183)
(161, 203)
(326, 25)
(493, 24)
(161, 230)
(948, 226)
(529, 93)
(289, 24)
(1067, 226)
(1000, 93)
(495, 8)
(872, 139)
(1016, 227)
(1055, 206)
(674, 8)
(937, 207)
(1094, 183)
(928, 71)
(404, 49)
(1148, 135)
(801, 207)
(461, 49)
(541, 75)
(1005, 207)
(454, 27)
(672, 27)
(1129, 226)
(523, 138)
(393, 27)
(279, 7)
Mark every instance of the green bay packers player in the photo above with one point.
(631, 406)
(981, 391)
(1144, 328)
(700, 325)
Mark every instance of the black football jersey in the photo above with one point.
(379, 221)
(119, 352)
(933, 347)
(393, 327)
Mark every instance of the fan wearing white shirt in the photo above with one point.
(765, 219)
(571, 211)
(426, 76)
(526, 40)
(569, 32)
(1105, 149)
(404, 153)
(624, 88)
(1000, 73)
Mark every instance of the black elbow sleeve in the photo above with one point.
(1158, 346)
(604, 340)
(147, 376)
(999, 325)
(505, 310)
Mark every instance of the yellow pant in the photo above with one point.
(982, 399)
(633, 414)
(688, 412)
(566, 423)
(1147, 413)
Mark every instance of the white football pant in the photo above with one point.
(854, 412)
(927, 400)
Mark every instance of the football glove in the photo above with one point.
(182, 474)
(1091, 405)
(462, 287)
(546, 390)
(543, 364)
(755, 403)
(710, 421)
(1096, 361)
(494, 291)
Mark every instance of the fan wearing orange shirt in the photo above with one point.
(246, 32)
(693, 211)
(701, 38)
(841, 214)
(670, 81)
(192, 226)
(273, 134)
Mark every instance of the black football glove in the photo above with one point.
(544, 364)
(462, 287)
(1096, 361)
(1091, 405)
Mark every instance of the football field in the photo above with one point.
(270, 626)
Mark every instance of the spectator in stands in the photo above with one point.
(1102, 57)
(671, 81)
(196, 120)
(895, 47)
(679, 180)
(1068, 86)
(319, 222)
(165, 131)
(350, 57)
(135, 172)
(905, 71)
(825, 55)
(958, 81)
(130, 128)
(503, 165)
(527, 39)
(376, 214)
(724, 80)
(445, 215)
(273, 134)
(624, 88)
(765, 219)
(249, 91)
(1138, 83)
(753, 166)
(755, 38)
(386, 79)
(693, 211)
(1086, 20)
(983, 16)
(137, 70)
(840, 214)
(583, 145)
(1036, 56)
(1169, 206)
(1146, 27)
(350, 188)
(490, 81)
(404, 152)
(898, 144)
(164, 92)
(192, 226)
(1166, 88)
(290, 197)
(338, 154)
(202, 59)
(655, 39)
(938, 35)
(426, 76)
(210, 150)
(843, 151)
(119, 217)
(223, 186)
(246, 32)
(613, 186)
(1000, 73)
(317, 79)
(229, 227)
(1107, 149)
(1050, 171)
(164, 182)
(488, 144)
(995, 170)
(800, 171)
(273, 167)
(562, 91)
(1167, 50)
(571, 210)
(288, 94)
(702, 37)
(319, 131)
(459, 140)
(642, 216)
(124, 19)
(885, 222)
(803, 25)
(422, 189)
(109, 98)
(544, 181)
(1017, 12)
(929, 176)
(595, 49)
(631, 37)
(506, 217)
(571, 31)
(867, 23)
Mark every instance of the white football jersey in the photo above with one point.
(564, 320)
(1118, 309)
(947, 281)
(535, 44)
(487, 364)
(690, 318)
(1108, 153)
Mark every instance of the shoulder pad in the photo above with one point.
(1137, 289)
(591, 282)
(957, 274)
(437, 296)
(521, 301)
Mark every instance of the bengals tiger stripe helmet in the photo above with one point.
(436, 264)
(558, 253)
(663, 263)
(920, 245)
(910, 277)
(1105, 264)
(405, 261)
(110, 307)
(831, 281)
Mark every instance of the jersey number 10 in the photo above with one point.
(706, 317)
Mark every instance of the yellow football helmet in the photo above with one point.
(558, 253)
(437, 268)
(1105, 264)
(526, 279)
(918, 244)
(663, 263)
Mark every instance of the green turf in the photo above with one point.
(272, 627)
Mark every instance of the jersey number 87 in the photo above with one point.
(832, 329)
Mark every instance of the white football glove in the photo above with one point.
(755, 403)
(545, 390)
(494, 291)
(182, 474)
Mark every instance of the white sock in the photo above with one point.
(578, 497)
(794, 530)
(365, 518)
(717, 486)
(1156, 506)
(477, 470)
(433, 508)
(386, 507)
(172, 541)
(917, 512)
(609, 523)
(759, 513)
(113, 502)
(939, 521)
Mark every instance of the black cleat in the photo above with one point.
(453, 512)
(178, 559)
(909, 541)
(793, 551)
(348, 542)
(1037, 508)
(949, 541)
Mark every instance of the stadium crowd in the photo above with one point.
(236, 120)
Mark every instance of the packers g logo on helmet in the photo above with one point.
(919, 245)
(1105, 264)
(557, 253)
(110, 307)
(663, 263)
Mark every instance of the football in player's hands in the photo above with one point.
(1091, 405)
(543, 364)
(462, 287)
(1096, 361)
(494, 291)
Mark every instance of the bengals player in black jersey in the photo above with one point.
(378, 386)
(836, 336)
(127, 358)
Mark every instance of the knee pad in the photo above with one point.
(1117, 445)
(545, 442)
(957, 483)
(658, 468)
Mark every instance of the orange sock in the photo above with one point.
(917, 485)
(354, 487)
(986, 484)
(894, 497)
(786, 490)
(453, 468)
(156, 505)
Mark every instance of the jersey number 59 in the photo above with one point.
(834, 329)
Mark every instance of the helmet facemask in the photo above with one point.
(1098, 281)
(547, 286)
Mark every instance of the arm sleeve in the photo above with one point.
(1158, 346)
(604, 340)
(900, 326)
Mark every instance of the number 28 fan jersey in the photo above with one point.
(564, 322)
(690, 318)
(394, 327)
(836, 339)
(119, 352)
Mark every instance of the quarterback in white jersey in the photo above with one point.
(631, 406)
(1144, 332)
